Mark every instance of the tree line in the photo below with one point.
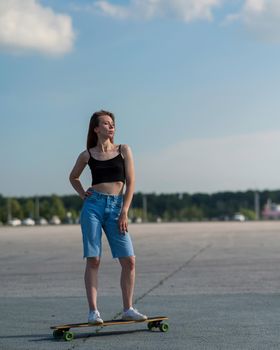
(146, 206)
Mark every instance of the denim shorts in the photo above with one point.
(102, 211)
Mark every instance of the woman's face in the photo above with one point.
(106, 127)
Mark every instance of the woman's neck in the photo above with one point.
(105, 146)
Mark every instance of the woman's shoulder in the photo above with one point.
(125, 150)
(84, 155)
(125, 147)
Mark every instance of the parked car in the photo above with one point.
(14, 222)
(28, 222)
(42, 221)
(55, 220)
(239, 217)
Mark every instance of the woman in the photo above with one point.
(106, 207)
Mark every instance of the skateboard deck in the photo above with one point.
(62, 331)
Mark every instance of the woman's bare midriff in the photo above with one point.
(115, 188)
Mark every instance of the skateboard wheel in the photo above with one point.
(150, 326)
(164, 327)
(57, 333)
(67, 336)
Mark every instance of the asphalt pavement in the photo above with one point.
(217, 282)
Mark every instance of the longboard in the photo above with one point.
(62, 331)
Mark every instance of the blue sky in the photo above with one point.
(194, 86)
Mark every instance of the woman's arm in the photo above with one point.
(76, 172)
(129, 188)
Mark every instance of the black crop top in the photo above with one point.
(109, 170)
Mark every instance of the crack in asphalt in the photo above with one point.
(171, 274)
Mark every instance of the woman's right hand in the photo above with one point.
(86, 194)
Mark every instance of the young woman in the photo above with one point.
(106, 207)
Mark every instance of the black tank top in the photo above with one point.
(110, 170)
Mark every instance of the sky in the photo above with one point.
(194, 86)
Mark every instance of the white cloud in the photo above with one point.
(260, 17)
(186, 10)
(27, 25)
(254, 6)
(116, 11)
(209, 165)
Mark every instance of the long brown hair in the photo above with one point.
(92, 137)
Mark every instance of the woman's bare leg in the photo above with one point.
(127, 280)
(91, 281)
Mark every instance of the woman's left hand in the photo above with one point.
(123, 222)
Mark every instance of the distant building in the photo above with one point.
(271, 210)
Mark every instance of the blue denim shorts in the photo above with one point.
(102, 211)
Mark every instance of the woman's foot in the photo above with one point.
(94, 317)
(133, 315)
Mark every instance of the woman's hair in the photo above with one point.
(92, 137)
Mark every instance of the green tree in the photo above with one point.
(16, 209)
(45, 209)
(192, 212)
(249, 214)
(166, 216)
(74, 215)
(3, 209)
(28, 208)
(57, 207)
(135, 213)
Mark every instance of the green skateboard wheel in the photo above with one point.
(164, 327)
(67, 336)
(150, 326)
